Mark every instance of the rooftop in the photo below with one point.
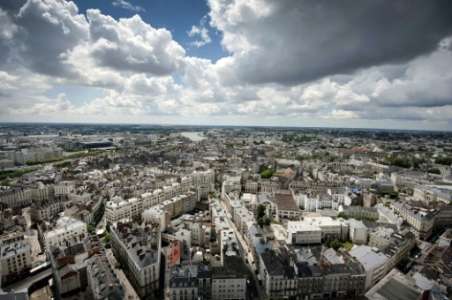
(312, 223)
(368, 257)
(234, 267)
(285, 201)
(394, 286)
(65, 224)
(142, 242)
(278, 263)
(12, 249)
(106, 284)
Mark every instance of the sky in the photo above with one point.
(344, 63)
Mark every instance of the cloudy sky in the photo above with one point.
(346, 63)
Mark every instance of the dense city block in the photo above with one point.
(185, 213)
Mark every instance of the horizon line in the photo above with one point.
(224, 125)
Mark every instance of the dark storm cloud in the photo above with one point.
(12, 6)
(8, 31)
(299, 41)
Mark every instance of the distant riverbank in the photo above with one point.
(193, 135)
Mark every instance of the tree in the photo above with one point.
(261, 215)
(434, 171)
(444, 160)
(91, 228)
(5, 182)
(262, 168)
(342, 215)
(335, 244)
(267, 173)
(213, 236)
(107, 238)
(260, 211)
(400, 162)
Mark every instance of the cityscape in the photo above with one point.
(174, 212)
(225, 150)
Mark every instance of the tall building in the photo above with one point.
(138, 249)
(310, 273)
(15, 260)
(70, 268)
(378, 263)
(102, 282)
(170, 200)
(67, 231)
(230, 280)
(190, 282)
(314, 230)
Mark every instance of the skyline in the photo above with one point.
(206, 126)
(245, 63)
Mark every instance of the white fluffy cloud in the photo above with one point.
(127, 5)
(427, 82)
(132, 45)
(47, 30)
(51, 37)
(201, 33)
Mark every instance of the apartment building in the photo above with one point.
(138, 249)
(378, 263)
(102, 282)
(229, 280)
(15, 259)
(46, 210)
(303, 274)
(69, 265)
(422, 217)
(286, 208)
(173, 199)
(66, 232)
(120, 209)
(314, 230)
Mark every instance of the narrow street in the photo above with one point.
(249, 256)
(100, 227)
(129, 291)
